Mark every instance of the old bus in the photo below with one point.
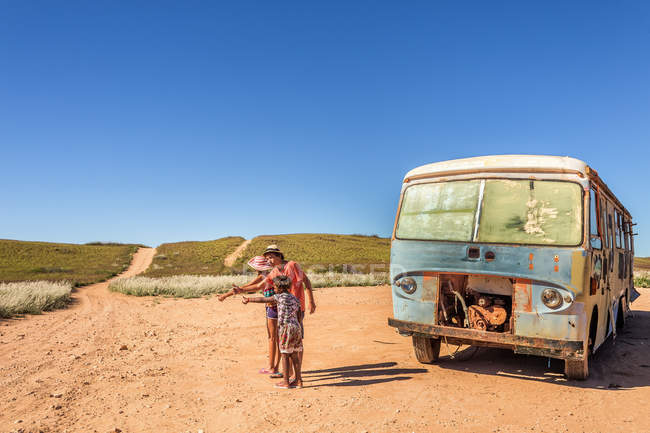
(530, 253)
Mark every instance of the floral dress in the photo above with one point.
(289, 333)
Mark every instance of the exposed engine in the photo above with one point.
(482, 303)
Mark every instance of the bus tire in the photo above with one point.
(576, 369)
(620, 316)
(426, 349)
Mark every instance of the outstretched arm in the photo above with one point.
(259, 300)
(243, 289)
(251, 287)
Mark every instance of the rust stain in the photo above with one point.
(530, 257)
(530, 266)
(429, 287)
(566, 349)
(522, 300)
(556, 259)
(556, 268)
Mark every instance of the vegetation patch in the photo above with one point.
(78, 264)
(196, 258)
(193, 286)
(642, 279)
(319, 253)
(33, 297)
(642, 263)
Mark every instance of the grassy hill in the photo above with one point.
(325, 251)
(642, 263)
(194, 258)
(78, 264)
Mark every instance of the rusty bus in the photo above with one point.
(531, 253)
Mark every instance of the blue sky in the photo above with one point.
(166, 121)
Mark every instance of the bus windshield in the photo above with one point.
(545, 212)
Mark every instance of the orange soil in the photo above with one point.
(191, 365)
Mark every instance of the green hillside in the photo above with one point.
(192, 257)
(322, 252)
(642, 263)
(78, 264)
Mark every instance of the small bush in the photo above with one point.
(33, 297)
(642, 279)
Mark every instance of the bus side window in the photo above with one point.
(618, 229)
(603, 212)
(594, 223)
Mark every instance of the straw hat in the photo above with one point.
(273, 249)
(259, 263)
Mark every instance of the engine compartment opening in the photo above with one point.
(476, 302)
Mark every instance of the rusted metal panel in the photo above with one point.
(522, 300)
(565, 349)
(429, 287)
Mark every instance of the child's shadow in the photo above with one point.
(358, 375)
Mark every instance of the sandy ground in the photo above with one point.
(118, 363)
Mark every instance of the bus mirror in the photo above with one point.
(596, 242)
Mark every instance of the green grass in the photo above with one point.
(325, 252)
(195, 258)
(32, 297)
(78, 264)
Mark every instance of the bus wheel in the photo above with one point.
(426, 349)
(620, 316)
(576, 369)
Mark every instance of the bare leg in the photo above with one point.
(274, 353)
(295, 360)
(285, 367)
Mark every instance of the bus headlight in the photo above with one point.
(407, 284)
(552, 298)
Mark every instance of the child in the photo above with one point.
(262, 266)
(289, 332)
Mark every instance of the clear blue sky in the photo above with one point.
(166, 121)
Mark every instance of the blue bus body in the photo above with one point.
(547, 300)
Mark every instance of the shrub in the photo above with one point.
(33, 297)
(193, 286)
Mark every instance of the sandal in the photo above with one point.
(283, 385)
(276, 375)
(265, 371)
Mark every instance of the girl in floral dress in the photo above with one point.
(289, 332)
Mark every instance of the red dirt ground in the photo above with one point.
(112, 362)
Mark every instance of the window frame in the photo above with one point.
(479, 215)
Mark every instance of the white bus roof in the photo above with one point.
(500, 163)
(511, 164)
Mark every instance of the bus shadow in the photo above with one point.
(620, 364)
(359, 375)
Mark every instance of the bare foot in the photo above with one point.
(221, 298)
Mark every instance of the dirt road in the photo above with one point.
(164, 365)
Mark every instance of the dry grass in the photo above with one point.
(193, 286)
(642, 263)
(32, 297)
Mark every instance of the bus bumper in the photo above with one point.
(562, 349)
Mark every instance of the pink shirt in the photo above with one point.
(293, 271)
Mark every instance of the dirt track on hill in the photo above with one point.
(163, 365)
